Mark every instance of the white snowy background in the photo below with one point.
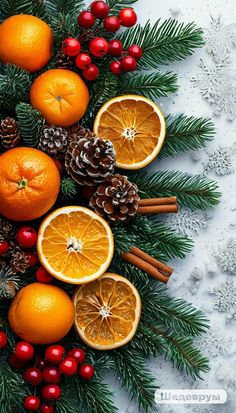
(207, 278)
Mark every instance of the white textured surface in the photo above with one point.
(210, 238)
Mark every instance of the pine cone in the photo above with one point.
(8, 281)
(54, 140)
(63, 61)
(116, 198)
(89, 160)
(9, 133)
(76, 131)
(6, 230)
(19, 261)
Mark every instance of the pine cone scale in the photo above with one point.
(9, 133)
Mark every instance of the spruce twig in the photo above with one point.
(10, 7)
(30, 124)
(117, 5)
(193, 191)
(186, 132)
(14, 84)
(152, 85)
(163, 43)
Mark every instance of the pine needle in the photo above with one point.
(30, 124)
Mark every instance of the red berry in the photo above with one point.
(99, 47)
(3, 339)
(100, 9)
(24, 351)
(45, 408)
(86, 372)
(115, 48)
(54, 354)
(32, 258)
(33, 376)
(71, 46)
(128, 17)
(91, 73)
(43, 276)
(3, 247)
(135, 51)
(86, 19)
(128, 64)
(68, 366)
(59, 165)
(83, 61)
(41, 363)
(26, 237)
(15, 363)
(51, 375)
(78, 354)
(115, 67)
(52, 392)
(32, 403)
(112, 23)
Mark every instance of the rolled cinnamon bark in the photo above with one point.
(157, 264)
(158, 201)
(145, 266)
(157, 209)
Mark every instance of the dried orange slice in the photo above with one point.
(75, 245)
(107, 312)
(136, 127)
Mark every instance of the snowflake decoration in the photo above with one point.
(187, 221)
(214, 342)
(220, 161)
(220, 38)
(226, 375)
(226, 257)
(208, 79)
(224, 296)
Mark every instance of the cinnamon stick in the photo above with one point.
(155, 263)
(158, 201)
(157, 209)
(145, 266)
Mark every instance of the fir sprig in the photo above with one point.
(30, 124)
(117, 5)
(152, 85)
(186, 132)
(193, 191)
(10, 7)
(163, 43)
(56, 7)
(14, 84)
(94, 397)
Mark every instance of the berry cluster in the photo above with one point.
(47, 371)
(26, 238)
(100, 47)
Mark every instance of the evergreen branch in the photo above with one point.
(117, 5)
(63, 26)
(184, 133)
(193, 191)
(183, 355)
(130, 368)
(147, 342)
(163, 43)
(101, 91)
(68, 187)
(10, 7)
(56, 7)
(39, 10)
(94, 396)
(14, 83)
(152, 85)
(30, 124)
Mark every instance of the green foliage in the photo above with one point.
(56, 7)
(193, 191)
(186, 132)
(152, 85)
(39, 9)
(14, 85)
(63, 26)
(147, 342)
(163, 43)
(11, 7)
(30, 124)
(68, 187)
(117, 5)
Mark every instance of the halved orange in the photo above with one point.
(75, 245)
(136, 126)
(107, 312)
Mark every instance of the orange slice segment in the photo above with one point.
(136, 127)
(75, 245)
(107, 312)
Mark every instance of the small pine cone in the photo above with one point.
(76, 131)
(6, 230)
(19, 261)
(89, 160)
(54, 140)
(8, 281)
(9, 133)
(116, 199)
(63, 61)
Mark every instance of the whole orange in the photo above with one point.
(61, 96)
(26, 41)
(41, 313)
(29, 183)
